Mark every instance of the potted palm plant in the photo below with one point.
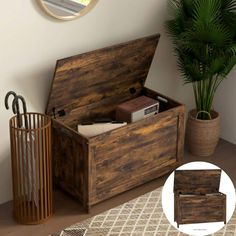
(204, 37)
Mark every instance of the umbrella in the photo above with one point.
(27, 137)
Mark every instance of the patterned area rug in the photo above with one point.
(142, 216)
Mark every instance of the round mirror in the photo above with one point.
(67, 9)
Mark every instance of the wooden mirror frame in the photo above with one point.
(88, 8)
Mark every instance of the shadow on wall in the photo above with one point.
(35, 87)
(5, 170)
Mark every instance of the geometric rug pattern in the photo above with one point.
(142, 216)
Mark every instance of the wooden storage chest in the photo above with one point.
(197, 198)
(91, 85)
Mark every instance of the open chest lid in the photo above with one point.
(197, 181)
(97, 75)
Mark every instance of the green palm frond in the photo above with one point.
(228, 5)
(212, 34)
(217, 66)
(204, 35)
(232, 49)
(206, 11)
(228, 66)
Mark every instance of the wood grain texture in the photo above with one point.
(133, 157)
(201, 208)
(197, 181)
(197, 198)
(102, 77)
(167, 103)
(91, 85)
(69, 160)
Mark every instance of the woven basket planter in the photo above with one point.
(202, 136)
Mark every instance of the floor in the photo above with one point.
(68, 211)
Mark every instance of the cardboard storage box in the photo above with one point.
(91, 85)
(197, 197)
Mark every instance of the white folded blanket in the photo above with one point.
(98, 128)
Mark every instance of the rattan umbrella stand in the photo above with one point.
(31, 168)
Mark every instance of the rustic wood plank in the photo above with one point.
(197, 181)
(158, 119)
(201, 209)
(104, 108)
(181, 136)
(68, 160)
(103, 73)
(131, 157)
(108, 193)
(146, 157)
(83, 173)
(155, 134)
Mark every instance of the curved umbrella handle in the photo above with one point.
(16, 110)
(24, 109)
(15, 105)
(7, 97)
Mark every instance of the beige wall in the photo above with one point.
(225, 104)
(31, 42)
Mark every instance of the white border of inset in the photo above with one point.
(226, 187)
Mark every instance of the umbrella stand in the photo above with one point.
(31, 167)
